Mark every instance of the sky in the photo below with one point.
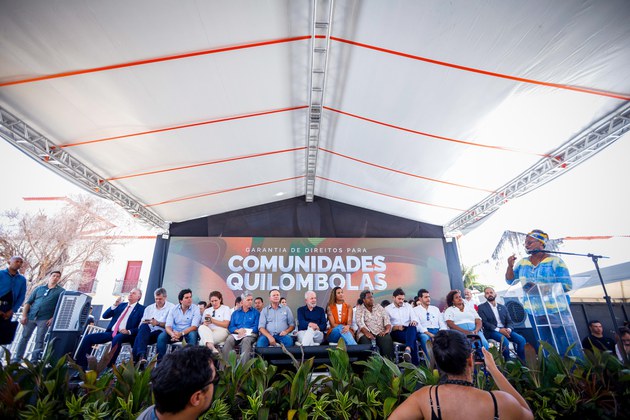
(591, 200)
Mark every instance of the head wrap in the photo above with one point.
(539, 235)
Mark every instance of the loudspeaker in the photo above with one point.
(71, 315)
(520, 321)
(517, 313)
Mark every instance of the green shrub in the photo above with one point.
(556, 387)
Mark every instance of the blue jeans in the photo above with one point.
(470, 326)
(424, 338)
(263, 341)
(164, 340)
(336, 334)
(408, 336)
(101, 338)
(143, 339)
(517, 339)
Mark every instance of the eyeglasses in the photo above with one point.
(213, 381)
(46, 292)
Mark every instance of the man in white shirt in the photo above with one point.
(153, 323)
(429, 317)
(404, 322)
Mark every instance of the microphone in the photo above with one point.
(536, 251)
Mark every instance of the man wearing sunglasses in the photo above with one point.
(431, 320)
(182, 384)
(38, 314)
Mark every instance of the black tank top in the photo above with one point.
(438, 416)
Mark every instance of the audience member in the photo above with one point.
(122, 328)
(283, 301)
(202, 306)
(12, 294)
(374, 326)
(38, 313)
(623, 347)
(243, 329)
(311, 321)
(153, 324)
(459, 398)
(469, 300)
(339, 318)
(216, 319)
(183, 385)
(237, 303)
(182, 323)
(461, 317)
(430, 320)
(597, 338)
(276, 323)
(90, 320)
(259, 303)
(497, 325)
(385, 303)
(404, 325)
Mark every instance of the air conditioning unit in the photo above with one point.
(69, 321)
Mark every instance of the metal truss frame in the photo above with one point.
(320, 45)
(44, 151)
(566, 157)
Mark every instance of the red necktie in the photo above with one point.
(115, 330)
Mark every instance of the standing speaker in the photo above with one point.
(71, 315)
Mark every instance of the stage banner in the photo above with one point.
(296, 265)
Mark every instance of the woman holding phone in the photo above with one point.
(216, 318)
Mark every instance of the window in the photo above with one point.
(132, 276)
(88, 276)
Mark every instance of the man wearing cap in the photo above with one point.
(539, 267)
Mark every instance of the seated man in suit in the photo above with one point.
(496, 324)
(122, 328)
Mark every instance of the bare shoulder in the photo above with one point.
(412, 407)
(509, 407)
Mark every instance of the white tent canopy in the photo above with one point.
(196, 108)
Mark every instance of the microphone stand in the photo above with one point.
(595, 259)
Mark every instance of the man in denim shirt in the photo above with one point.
(243, 329)
(38, 313)
(182, 322)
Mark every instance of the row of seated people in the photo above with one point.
(164, 323)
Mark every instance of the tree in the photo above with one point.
(471, 279)
(80, 231)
